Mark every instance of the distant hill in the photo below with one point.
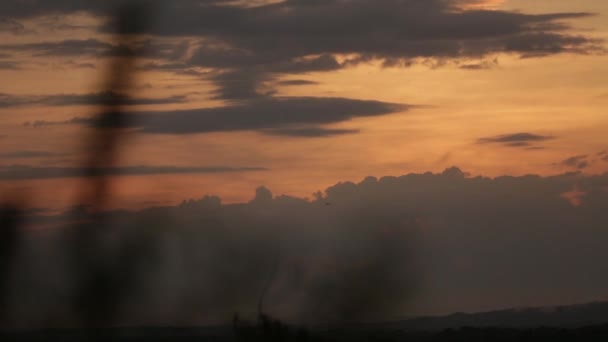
(569, 316)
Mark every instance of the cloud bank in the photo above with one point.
(373, 250)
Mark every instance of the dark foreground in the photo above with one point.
(589, 333)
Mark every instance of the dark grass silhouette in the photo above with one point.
(102, 278)
(10, 220)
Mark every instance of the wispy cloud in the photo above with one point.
(26, 154)
(515, 139)
(24, 172)
(92, 99)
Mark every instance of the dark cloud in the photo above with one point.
(26, 154)
(22, 172)
(295, 116)
(241, 85)
(91, 47)
(578, 162)
(515, 139)
(296, 82)
(64, 48)
(310, 132)
(93, 99)
(250, 46)
(584, 161)
(9, 65)
(296, 36)
(177, 68)
(83, 65)
(381, 28)
(9, 25)
(38, 8)
(401, 28)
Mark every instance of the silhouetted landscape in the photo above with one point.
(586, 322)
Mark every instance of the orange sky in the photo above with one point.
(561, 96)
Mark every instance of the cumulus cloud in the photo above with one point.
(515, 139)
(418, 243)
(25, 172)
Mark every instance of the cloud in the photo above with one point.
(23, 172)
(312, 132)
(176, 68)
(296, 82)
(584, 161)
(26, 154)
(371, 250)
(91, 47)
(515, 139)
(64, 48)
(295, 37)
(579, 162)
(248, 46)
(9, 65)
(13, 26)
(93, 99)
(482, 65)
(295, 116)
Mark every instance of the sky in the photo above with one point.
(451, 152)
(298, 96)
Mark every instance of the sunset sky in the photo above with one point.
(385, 158)
(298, 95)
